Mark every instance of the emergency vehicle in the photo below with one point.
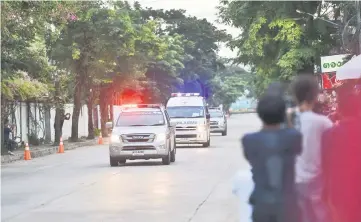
(142, 131)
(189, 112)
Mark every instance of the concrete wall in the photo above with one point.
(19, 117)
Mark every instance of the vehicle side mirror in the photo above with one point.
(208, 116)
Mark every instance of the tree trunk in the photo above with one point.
(96, 117)
(90, 105)
(90, 117)
(3, 117)
(58, 115)
(111, 113)
(57, 129)
(103, 111)
(76, 112)
(47, 124)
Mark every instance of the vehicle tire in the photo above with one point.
(208, 143)
(113, 162)
(224, 133)
(167, 159)
(172, 154)
(122, 161)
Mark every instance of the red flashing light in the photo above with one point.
(142, 106)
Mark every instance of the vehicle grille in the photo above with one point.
(186, 136)
(130, 148)
(186, 128)
(138, 138)
(214, 123)
(213, 127)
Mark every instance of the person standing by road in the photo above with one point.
(341, 147)
(63, 117)
(309, 181)
(271, 153)
(9, 144)
(278, 89)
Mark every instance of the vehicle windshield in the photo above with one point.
(215, 113)
(185, 111)
(141, 118)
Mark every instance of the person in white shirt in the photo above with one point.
(309, 184)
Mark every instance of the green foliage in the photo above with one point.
(24, 89)
(88, 49)
(278, 41)
(97, 132)
(200, 46)
(23, 25)
(228, 85)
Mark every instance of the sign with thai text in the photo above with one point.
(332, 63)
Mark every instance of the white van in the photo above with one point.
(190, 114)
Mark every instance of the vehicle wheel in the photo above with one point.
(175, 147)
(122, 161)
(166, 160)
(224, 133)
(208, 143)
(172, 154)
(113, 162)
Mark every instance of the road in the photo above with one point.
(80, 186)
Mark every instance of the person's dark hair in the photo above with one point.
(305, 88)
(271, 109)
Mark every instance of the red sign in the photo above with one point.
(329, 80)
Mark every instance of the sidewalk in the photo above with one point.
(44, 150)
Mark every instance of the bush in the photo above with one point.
(34, 140)
(97, 132)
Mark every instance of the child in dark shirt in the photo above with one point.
(271, 153)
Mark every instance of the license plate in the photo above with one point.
(138, 153)
(183, 139)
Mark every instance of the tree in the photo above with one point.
(278, 41)
(84, 49)
(228, 85)
(162, 75)
(200, 60)
(26, 72)
(90, 52)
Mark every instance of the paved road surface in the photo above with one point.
(80, 186)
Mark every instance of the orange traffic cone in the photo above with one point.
(27, 155)
(61, 146)
(100, 139)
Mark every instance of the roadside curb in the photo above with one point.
(46, 151)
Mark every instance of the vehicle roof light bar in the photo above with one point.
(184, 94)
(142, 106)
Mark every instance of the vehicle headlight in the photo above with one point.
(115, 138)
(161, 137)
(201, 128)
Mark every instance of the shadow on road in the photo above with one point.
(132, 163)
(154, 163)
(216, 135)
(190, 146)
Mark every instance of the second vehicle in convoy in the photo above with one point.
(142, 131)
(190, 114)
(218, 121)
